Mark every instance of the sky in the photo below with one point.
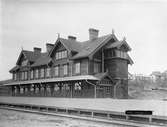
(33, 23)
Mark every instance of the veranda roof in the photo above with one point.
(71, 78)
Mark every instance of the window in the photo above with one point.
(14, 76)
(25, 75)
(61, 54)
(77, 68)
(24, 62)
(32, 74)
(56, 71)
(36, 73)
(65, 69)
(121, 54)
(48, 72)
(22, 75)
(42, 72)
(96, 67)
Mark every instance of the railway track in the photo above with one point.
(90, 115)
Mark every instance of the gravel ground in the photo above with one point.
(10, 118)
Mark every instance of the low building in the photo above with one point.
(97, 67)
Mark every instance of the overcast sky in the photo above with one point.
(29, 23)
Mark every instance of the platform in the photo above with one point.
(158, 107)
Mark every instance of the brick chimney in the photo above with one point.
(72, 38)
(93, 33)
(37, 50)
(49, 47)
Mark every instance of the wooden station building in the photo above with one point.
(96, 68)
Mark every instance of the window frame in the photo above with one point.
(25, 75)
(65, 69)
(36, 73)
(32, 74)
(42, 73)
(61, 54)
(56, 71)
(48, 72)
(78, 68)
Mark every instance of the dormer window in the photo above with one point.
(61, 54)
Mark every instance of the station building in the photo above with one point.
(96, 68)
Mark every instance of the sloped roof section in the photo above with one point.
(89, 46)
(130, 60)
(103, 75)
(72, 46)
(118, 44)
(15, 68)
(44, 59)
(30, 55)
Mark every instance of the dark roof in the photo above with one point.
(82, 49)
(44, 59)
(89, 46)
(15, 68)
(31, 56)
(71, 45)
(130, 60)
(5, 81)
(103, 75)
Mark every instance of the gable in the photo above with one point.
(124, 46)
(57, 48)
(21, 58)
(90, 47)
(105, 44)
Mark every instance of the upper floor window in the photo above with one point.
(48, 72)
(14, 76)
(24, 62)
(26, 75)
(36, 73)
(110, 53)
(65, 69)
(61, 54)
(121, 54)
(32, 74)
(42, 72)
(77, 68)
(56, 70)
(22, 75)
(96, 67)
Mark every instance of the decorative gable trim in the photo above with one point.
(56, 44)
(126, 44)
(18, 60)
(112, 36)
